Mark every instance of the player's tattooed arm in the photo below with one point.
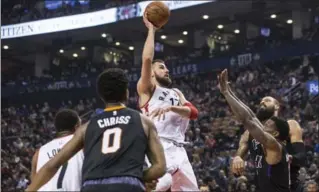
(51, 167)
(254, 127)
(243, 145)
(145, 84)
(241, 111)
(249, 120)
(234, 95)
(155, 153)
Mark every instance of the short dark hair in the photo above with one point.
(282, 127)
(112, 85)
(158, 61)
(66, 120)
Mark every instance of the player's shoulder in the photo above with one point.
(57, 141)
(48, 144)
(294, 127)
(176, 90)
(179, 92)
(132, 111)
(293, 124)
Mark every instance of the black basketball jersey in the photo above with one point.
(115, 145)
(252, 147)
(274, 178)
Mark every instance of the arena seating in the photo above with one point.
(213, 137)
(266, 57)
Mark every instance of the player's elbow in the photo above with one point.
(193, 114)
(247, 121)
(161, 169)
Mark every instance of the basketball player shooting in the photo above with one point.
(271, 162)
(170, 112)
(270, 107)
(68, 177)
(115, 143)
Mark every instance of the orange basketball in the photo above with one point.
(157, 13)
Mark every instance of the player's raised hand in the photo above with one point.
(223, 81)
(147, 23)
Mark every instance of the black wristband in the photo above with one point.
(299, 156)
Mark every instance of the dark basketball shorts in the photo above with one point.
(114, 184)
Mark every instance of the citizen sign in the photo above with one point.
(58, 24)
(82, 20)
(20, 30)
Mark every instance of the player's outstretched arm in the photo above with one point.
(238, 107)
(270, 144)
(299, 156)
(34, 164)
(250, 121)
(155, 153)
(243, 145)
(238, 164)
(51, 167)
(254, 127)
(234, 95)
(145, 84)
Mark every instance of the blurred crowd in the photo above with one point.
(213, 137)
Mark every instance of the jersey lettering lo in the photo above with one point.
(68, 177)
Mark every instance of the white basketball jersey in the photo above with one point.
(173, 126)
(68, 177)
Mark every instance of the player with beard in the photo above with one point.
(271, 162)
(171, 113)
(270, 107)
